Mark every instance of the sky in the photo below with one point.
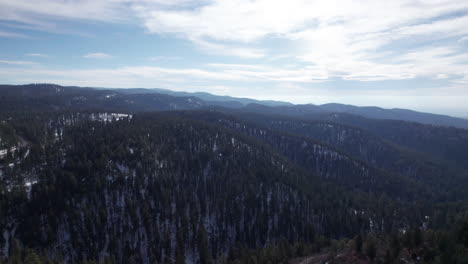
(393, 54)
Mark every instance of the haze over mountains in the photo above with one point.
(267, 106)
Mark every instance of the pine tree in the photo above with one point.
(371, 249)
(180, 252)
(395, 245)
(358, 243)
(203, 251)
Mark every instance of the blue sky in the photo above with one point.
(399, 53)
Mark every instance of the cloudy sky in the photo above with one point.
(398, 53)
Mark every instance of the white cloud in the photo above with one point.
(236, 66)
(20, 63)
(144, 76)
(40, 55)
(441, 76)
(341, 37)
(97, 55)
(8, 34)
(48, 14)
(229, 50)
(463, 40)
(164, 58)
(32, 12)
(248, 21)
(242, 20)
(347, 39)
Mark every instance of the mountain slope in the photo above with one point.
(446, 143)
(348, 170)
(153, 187)
(378, 151)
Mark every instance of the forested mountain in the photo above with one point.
(446, 143)
(397, 114)
(54, 97)
(351, 149)
(91, 175)
(236, 101)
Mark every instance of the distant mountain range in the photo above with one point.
(236, 101)
(308, 109)
(143, 99)
(397, 114)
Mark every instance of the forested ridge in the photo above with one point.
(92, 176)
